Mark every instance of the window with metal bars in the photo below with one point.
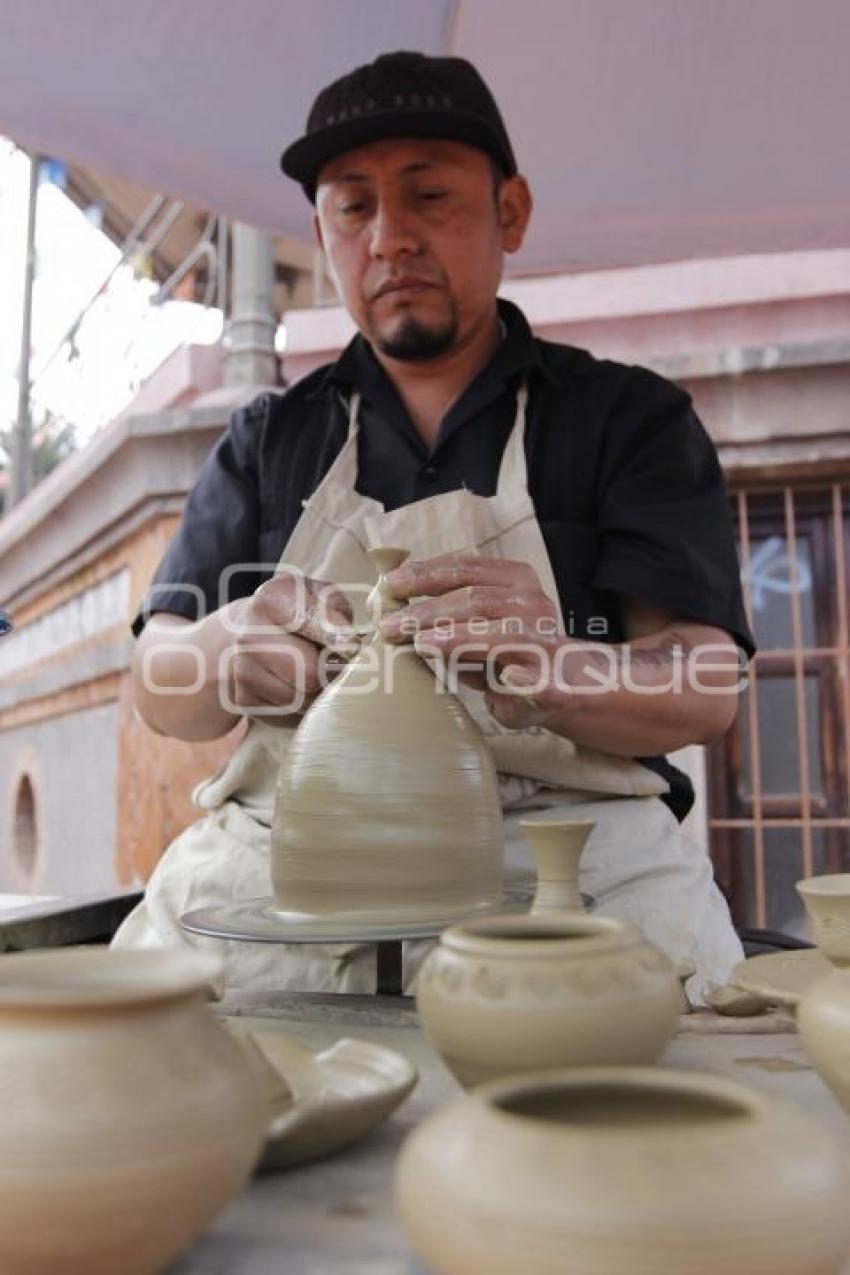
(779, 781)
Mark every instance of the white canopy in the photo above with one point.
(651, 130)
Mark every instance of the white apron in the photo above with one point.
(637, 865)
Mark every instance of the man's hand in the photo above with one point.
(266, 657)
(488, 619)
(288, 642)
(673, 683)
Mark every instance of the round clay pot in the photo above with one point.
(823, 1020)
(827, 900)
(128, 1116)
(604, 1171)
(518, 993)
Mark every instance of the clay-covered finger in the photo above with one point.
(431, 577)
(482, 637)
(326, 616)
(254, 691)
(515, 714)
(294, 603)
(271, 664)
(515, 611)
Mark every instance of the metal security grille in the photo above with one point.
(779, 782)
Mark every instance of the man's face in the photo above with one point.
(414, 233)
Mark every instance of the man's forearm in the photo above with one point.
(651, 695)
(176, 675)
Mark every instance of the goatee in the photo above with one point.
(414, 342)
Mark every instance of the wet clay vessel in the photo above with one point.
(557, 846)
(517, 993)
(128, 1116)
(387, 801)
(607, 1171)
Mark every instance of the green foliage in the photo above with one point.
(53, 440)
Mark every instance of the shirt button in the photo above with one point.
(430, 471)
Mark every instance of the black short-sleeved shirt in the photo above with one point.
(624, 479)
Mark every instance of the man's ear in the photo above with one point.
(514, 204)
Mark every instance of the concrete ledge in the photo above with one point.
(137, 459)
(188, 371)
(101, 545)
(824, 459)
(65, 922)
(737, 360)
(88, 665)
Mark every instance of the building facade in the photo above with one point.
(89, 797)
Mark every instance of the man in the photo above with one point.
(571, 540)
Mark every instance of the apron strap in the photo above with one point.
(353, 414)
(513, 471)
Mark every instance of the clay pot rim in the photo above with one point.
(491, 1097)
(567, 934)
(833, 886)
(102, 978)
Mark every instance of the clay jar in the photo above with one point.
(128, 1116)
(557, 845)
(517, 993)
(827, 900)
(387, 802)
(610, 1170)
(823, 1020)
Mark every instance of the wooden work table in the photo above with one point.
(335, 1217)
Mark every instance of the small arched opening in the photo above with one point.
(25, 829)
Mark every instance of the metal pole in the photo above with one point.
(21, 476)
(221, 298)
(251, 358)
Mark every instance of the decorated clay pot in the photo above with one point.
(128, 1116)
(827, 900)
(823, 1020)
(557, 846)
(387, 802)
(517, 993)
(602, 1171)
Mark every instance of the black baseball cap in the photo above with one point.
(400, 94)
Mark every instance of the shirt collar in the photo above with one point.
(518, 354)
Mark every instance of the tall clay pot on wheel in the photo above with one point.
(387, 800)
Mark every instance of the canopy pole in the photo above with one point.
(251, 358)
(21, 475)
